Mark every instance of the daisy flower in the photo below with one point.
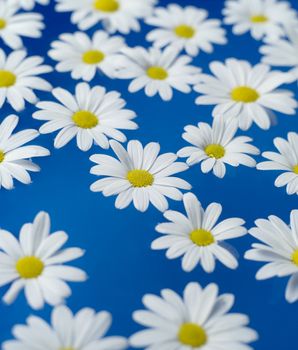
(262, 18)
(29, 4)
(248, 94)
(216, 146)
(279, 250)
(91, 115)
(140, 175)
(82, 56)
(157, 71)
(286, 160)
(185, 28)
(18, 78)
(197, 237)
(84, 330)
(14, 25)
(35, 263)
(116, 15)
(15, 155)
(200, 319)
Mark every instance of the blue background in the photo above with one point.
(119, 261)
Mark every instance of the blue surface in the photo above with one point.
(119, 261)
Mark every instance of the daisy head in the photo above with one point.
(199, 319)
(248, 94)
(216, 146)
(186, 28)
(197, 237)
(35, 263)
(83, 57)
(15, 155)
(285, 160)
(140, 175)
(278, 250)
(29, 4)
(91, 115)
(84, 330)
(158, 72)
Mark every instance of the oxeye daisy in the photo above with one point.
(35, 263)
(15, 155)
(278, 249)
(84, 330)
(116, 15)
(216, 146)
(197, 237)
(91, 115)
(140, 175)
(185, 28)
(248, 94)
(82, 56)
(157, 71)
(29, 4)
(200, 319)
(286, 160)
(19, 77)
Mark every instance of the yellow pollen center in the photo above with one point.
(29, 267)
(295, 169)
(295, 257)
(258, 19)
(140, 178)
(106, 5)
(2, 156)
(93, 57)
(201, 237)
(2, 23)
(184, 31)
(85, 119)
(192, 335)
(7, 78)
(215, 151)
(244, 94)
(157, 73)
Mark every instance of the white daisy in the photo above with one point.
(29, 4)
(84, 330)
(279, 249)
(19, 77)
(216, 146)
(197, 237)
(286, 160)
(200, 319)
(140, 175)
(116, 15)
(92, 115)
(157, 71)
(15, 156)
(185, 28)
(35, 263)
(246, 93)
(82, 56)
(262, 18)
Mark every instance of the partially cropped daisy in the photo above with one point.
(185, 28)
(140, 175)
(262, 18)
(278, 249)
(286, 161)
(197, 237)
(116, 15)
(91, 115)
(19, 76)
(14, 25)
(158, 72)
(216, 146)
(29, 4)
(200, 319)
(248, 94)
(35, 263)
(82, 56)
(15, 155)
(84, 330)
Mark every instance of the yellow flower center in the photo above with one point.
(85, 119)
(106, 5)
(295, 257)
(259, 19)
(215, 151)
(295, 169)
(7, 78)
(157, 73)
(2, 23)
(29, 267)
(2, 156)
(193, 335)
(184, 31)
(140, 178)
(244, 94)
(201, 237)
(93, 57)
